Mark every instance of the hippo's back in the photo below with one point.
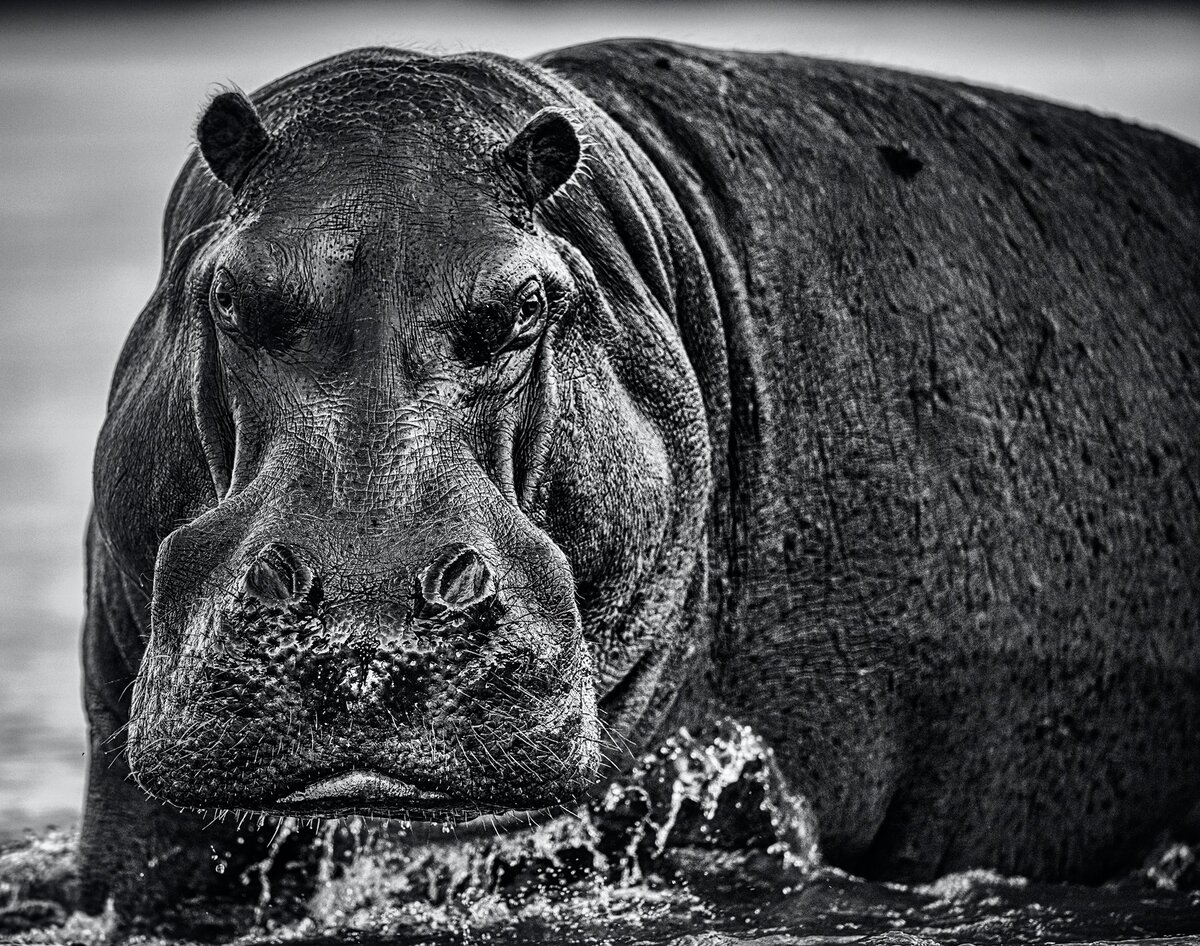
(959, 555)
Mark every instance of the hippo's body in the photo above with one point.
(858, 406)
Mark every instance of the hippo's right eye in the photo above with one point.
(222, 295)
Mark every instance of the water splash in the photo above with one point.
(734, 770)
(703, 843)
(262, 870)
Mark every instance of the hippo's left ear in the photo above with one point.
(543, 154)
(231, 136)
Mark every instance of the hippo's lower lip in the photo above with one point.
(366, 789)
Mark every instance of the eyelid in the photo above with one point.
(506, 297)
(532, 288)
(222, 282)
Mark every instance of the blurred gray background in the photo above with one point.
(96, 112)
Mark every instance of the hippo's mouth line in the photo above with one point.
(369, 792)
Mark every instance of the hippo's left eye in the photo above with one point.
(498, 326)
(222, 295)
(531, 303)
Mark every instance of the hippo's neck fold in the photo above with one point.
(711, 311)
(783, 609)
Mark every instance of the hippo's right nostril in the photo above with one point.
(458, 579)
(277, 575)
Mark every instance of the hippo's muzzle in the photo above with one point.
(377, 671)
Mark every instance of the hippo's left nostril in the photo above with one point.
(458, 579)
(277, 575)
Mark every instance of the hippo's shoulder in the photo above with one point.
(736, 119)
(830, 101)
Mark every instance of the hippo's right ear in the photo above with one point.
(543, 154)
(231, 136)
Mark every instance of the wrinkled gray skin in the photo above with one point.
(490, 416)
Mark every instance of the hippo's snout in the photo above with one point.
(458, 582)
(302, 650)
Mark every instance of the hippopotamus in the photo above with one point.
(491, 419)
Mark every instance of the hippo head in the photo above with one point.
(411, 480)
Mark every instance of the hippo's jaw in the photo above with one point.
(356, 765)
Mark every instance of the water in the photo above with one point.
(703, 845)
